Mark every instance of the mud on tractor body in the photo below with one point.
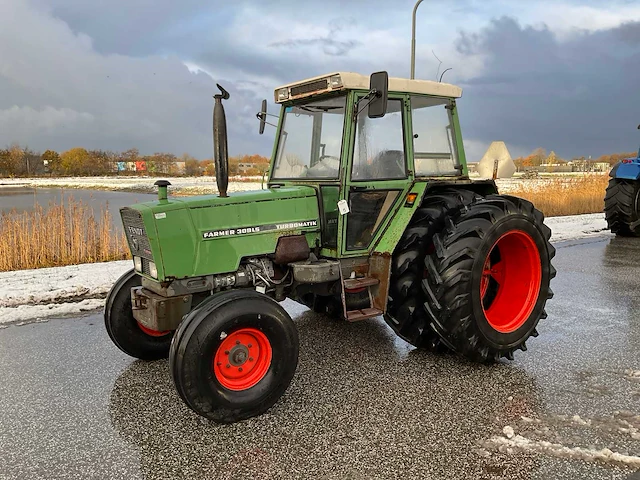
(369, 212)
(622, 200)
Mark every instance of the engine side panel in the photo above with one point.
(209, 236)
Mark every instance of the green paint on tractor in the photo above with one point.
(207, 235)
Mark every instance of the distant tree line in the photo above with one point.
(539, 157)
(17, 161)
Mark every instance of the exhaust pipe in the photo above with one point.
(220, 151)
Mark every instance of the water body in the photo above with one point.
(25, 198)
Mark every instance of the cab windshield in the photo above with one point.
(311, 140)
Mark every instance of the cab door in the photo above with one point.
(378, 176)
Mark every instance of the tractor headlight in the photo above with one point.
(283, 94)
(153, 270)
(137, 264)
(335, 81)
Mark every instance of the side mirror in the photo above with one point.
(263, 116)
(378, 83)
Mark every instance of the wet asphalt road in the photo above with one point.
(363, 404)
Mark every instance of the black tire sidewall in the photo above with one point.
(493, 337)
(635, 215)
(199, 344)
(123, 328)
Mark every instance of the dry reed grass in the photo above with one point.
(69, 232)
(65, 233)
(565, 196)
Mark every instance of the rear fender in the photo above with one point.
(626, 170)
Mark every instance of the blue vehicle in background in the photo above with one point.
(622, 201)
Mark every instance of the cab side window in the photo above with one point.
(379, 146)
(434, 148)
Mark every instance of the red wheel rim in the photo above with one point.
(242, 359)
(153, 333)
(510, 282)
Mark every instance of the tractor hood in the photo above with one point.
(194, 236)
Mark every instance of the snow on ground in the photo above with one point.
(179, 185)
(576, 226)
(511, 442)
(46, 292)
(59, 284)
(206, 185)
(29, 295)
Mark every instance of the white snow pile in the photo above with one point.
(46, 292)
(512, 442)
(191, 185)
(30, 295)
(623, 423)
(576, 226)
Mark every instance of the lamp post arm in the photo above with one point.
(413, 41)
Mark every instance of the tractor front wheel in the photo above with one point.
(622, 207)
(234, 356)
(125, 332)
(487, 281)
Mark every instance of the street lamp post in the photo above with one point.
(413, 41)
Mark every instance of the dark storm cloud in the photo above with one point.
(328, 43)
(113, 75)
(576, 96)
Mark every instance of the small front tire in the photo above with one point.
(123, 329)
(234, 356)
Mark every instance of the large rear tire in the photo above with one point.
(622, 207)
(487, 283)
(404, 312)
(123, 329)
(234, 356)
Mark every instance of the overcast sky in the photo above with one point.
(117, 74)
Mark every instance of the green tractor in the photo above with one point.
(368, 212)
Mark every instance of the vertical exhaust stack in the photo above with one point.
(220, 151)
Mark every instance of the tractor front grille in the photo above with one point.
(145, 267)
(136, 234)
(319, 85)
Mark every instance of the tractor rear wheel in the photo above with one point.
(622, 207)
(234, 355)
(487, 281)
(125, 332)
(405, 314)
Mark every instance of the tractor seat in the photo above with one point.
(389, 164)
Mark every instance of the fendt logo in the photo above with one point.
(136, 231)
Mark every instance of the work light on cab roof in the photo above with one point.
(368, 211)
(353, 81)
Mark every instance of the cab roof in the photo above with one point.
(354, 81)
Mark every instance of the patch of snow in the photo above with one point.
(28, 313)
(521, 443)
(192, 185)
(59, 284)
(577, 226)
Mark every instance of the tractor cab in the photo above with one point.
(364, 143)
